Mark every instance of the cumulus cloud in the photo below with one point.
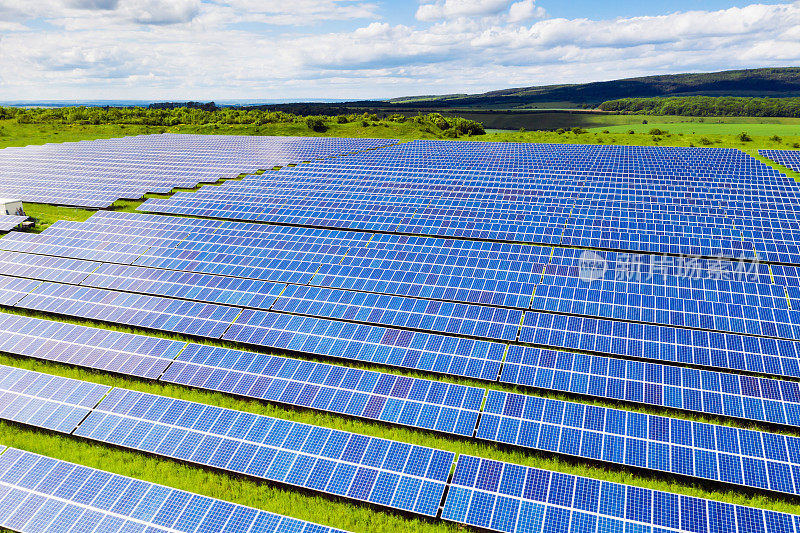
(524, 10)
(193, 49)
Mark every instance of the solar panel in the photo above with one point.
(690, 389)
(511, 498)
(43, 495)
(102, 349)
(9, 222)
(44, 401)
(742, 457)
(387, 473)
(414, 402)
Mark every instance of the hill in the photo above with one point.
(775, 82)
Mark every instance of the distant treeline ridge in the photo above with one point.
(707, 106)
(167, 115)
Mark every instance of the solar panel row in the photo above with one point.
(39, 494)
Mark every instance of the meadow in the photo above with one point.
(334, 511)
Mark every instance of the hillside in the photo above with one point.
(776, 82)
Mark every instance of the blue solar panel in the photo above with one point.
(43, 495)
(46, 401)
(102, 349)
(511, 498)
(97, 173)
(415, 402)
(690, 389)
(706, 451)
(677, 345)
(387, 473)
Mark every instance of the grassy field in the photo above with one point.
(329, 510)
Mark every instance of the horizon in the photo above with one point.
(180, 50)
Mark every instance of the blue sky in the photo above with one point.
(303, 49)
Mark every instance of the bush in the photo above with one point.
(644, 122)
(469, 127)
(606, 131)
(522, 130)
(450, 133)
(364, 123)
(796, 145)
(561, 131)
(705, 141)
(775, 138)
(342, 119)
(744, 137)
(631, 132)
(438, 120)
(656, 131)
(578, 131)
(316, 124)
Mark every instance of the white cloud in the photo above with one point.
(175, 49)
(524, 10)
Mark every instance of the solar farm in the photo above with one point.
(425, 335)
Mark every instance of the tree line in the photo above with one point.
(706, 106)
(164, 115)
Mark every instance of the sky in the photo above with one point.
(349, 49)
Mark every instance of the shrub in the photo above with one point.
(342, 119)
(578, 131)
(631, 132)
(775, 138)
(644, 122)
(316, 124)
(705, 141)
(438, 120)
(522, 130)
(656, 131)
(364, 123)
(796, 145)
(469, 127)
(744, 137)
(606, 131)
(561, 131)
(450, 133)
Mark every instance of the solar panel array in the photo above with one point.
(648, 276)
(39, 494)
(645, 199)
(97, 173)
(788, 158)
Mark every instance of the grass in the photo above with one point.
(338, 512)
